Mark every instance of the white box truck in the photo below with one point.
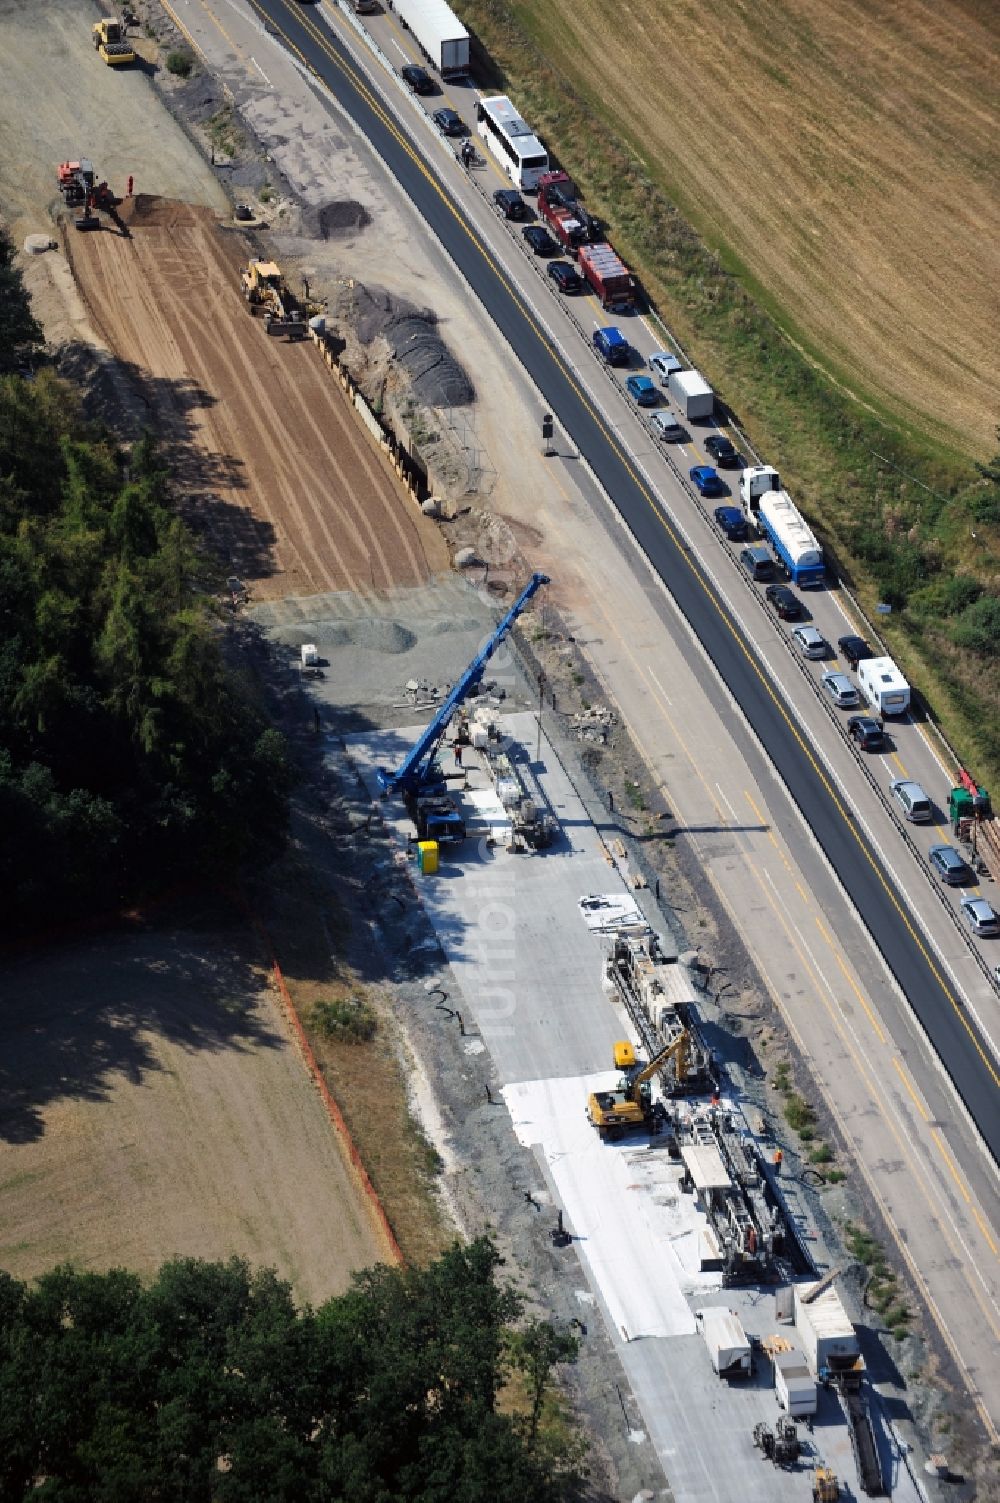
(692, 393)
(828, 1337)
(726, 1340)
(884, 687)
(794, 1388)
(442, 37)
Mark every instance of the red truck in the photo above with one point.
(559, 204)
(608, 276)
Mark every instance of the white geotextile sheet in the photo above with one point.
(635, 1229)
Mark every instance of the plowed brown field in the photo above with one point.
(274, 465)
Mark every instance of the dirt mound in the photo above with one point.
(334, 220)
(150, 211)
(434, 374)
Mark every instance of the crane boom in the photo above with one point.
(413, 770)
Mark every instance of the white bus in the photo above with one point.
(516, 148)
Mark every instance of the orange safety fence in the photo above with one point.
(333, 1110)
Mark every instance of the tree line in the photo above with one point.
(209, 1384)
(131, 753)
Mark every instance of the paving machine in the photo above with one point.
(826, 1488)
(265, 287)
(630, 1104)
(111, 42)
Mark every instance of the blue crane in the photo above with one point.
(414, 772)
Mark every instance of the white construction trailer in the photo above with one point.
(727, 1342)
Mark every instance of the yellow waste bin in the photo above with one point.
(427, 857)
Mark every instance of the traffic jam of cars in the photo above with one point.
(771, 541)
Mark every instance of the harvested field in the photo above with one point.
(154, 1105)
(273, 465)
(843, 154)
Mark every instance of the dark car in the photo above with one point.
(450, 122)
(854, 649)
(510, 204)
(540, 240)
(785, 601)
(418, 79)
(732, 521)
(866, 732)
(707, 481)
(722, 451)
(565, 278)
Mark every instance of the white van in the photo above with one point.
(884, 687)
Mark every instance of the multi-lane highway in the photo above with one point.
(957, 1036)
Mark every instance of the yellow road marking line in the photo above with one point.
(910, 1090)
(942, 1150)
(182, 28)
(862, 999)
(984, 1228)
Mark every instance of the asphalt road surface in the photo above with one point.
(882, 909)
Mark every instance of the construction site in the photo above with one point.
(554, 980)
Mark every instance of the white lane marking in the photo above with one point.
(399, 49)
(260, 70)
(726, 801)
(659, 686)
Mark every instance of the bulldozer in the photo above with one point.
(265, 287)
(630, 1104)
(111, 42)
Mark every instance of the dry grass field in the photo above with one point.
(155, 1106)
(844, 155)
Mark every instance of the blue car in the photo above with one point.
(642, 388)
(732, 521)
(612, 344)
(707, 481)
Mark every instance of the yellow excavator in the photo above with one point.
(630, 1104)
(111, 42)
(826, 1488)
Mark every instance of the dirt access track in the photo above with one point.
(154, 1105)
(274, 467)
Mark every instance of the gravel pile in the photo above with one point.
(334, 220)
(436, 377)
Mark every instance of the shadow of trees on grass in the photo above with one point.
(80, 1018)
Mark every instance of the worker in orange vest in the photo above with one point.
(778, 1156)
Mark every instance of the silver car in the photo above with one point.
(980, 916)
(912, 799)
(662, 362)
(810, 642)
(840, 690)
(666, 426)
